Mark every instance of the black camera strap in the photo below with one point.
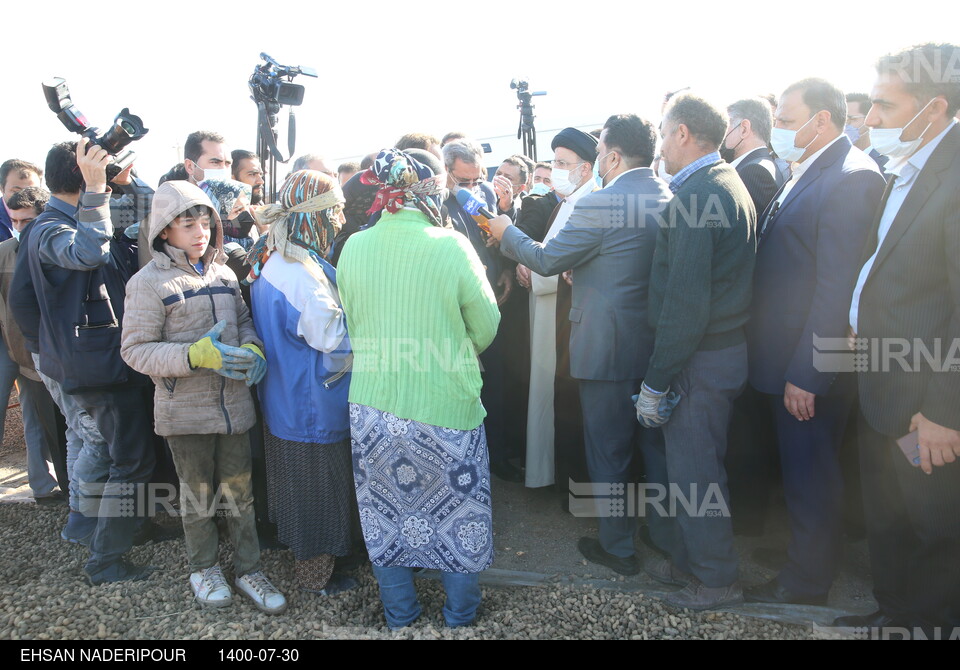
(266, 131)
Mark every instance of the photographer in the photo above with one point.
(67, 295)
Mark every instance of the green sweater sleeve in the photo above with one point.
(478, 305)
(685, 287)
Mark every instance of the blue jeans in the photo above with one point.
(88, 461)
(399, 596)
(123, 418)
(39, 432)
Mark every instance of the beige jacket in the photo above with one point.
(169, 306)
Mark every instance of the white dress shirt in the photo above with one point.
(906, 171)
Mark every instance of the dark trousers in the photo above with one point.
(258, 468)
(515, 336)
(913, 528)
(491, 395)
(611, 433)
(570, 461)
(124, 420)
(751, 461)
(813, 488)
(690, 463)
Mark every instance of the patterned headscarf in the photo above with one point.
(403, 179)
(225, 192)
(302, 224)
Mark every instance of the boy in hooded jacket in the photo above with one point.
(187, 327)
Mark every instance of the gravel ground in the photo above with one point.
(45, 597)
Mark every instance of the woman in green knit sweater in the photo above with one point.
(419, 309)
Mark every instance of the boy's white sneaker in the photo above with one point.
(210, 587)
(264, 595)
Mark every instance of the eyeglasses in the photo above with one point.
(563, 165)
(469, 183)
(855, 117)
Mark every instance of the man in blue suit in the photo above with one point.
(609, 242)
(810, 237)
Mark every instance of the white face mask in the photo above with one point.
(209, 174)
(887, 140)
(784, 141)
(16, 234)
(561, 181)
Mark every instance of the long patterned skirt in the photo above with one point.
(308, 494)
(423, 492)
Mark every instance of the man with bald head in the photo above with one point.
(699, 303)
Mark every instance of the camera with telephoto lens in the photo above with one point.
(126, 127)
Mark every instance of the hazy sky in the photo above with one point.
(390, 68)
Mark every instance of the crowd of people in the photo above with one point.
(341, 367)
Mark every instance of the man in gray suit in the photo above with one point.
(907, 301)
(608, 242)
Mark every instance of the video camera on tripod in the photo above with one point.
(526, 132)
(271, 86)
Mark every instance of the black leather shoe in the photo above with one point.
(874, 620)
(774, 592)
(55, 499)
(593, 552)
(507, 472)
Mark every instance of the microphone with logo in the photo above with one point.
(475, 208)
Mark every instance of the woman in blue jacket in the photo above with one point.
(297, 314)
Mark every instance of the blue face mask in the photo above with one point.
(851, 132)
(597, 177)
(540, 189)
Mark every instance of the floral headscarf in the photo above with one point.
(403, 180)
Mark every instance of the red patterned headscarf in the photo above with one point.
(404, 180)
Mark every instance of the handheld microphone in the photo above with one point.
(475, 208)
(472, 205)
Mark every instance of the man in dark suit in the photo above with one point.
(463, 160)
(907, 294)
(745, 147)
(609, 242)
(858, 104)
(816, 223)
(700, 286)
(749, 459)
